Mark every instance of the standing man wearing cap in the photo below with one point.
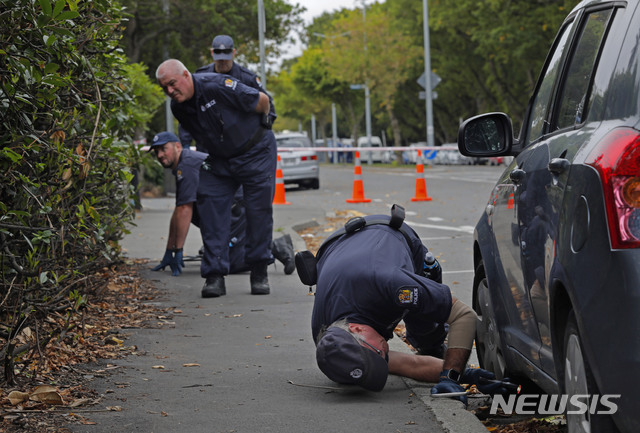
(226, 118)
(185, 165)
(368, 280)
(223, 52)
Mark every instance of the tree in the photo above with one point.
(488, 55)
(373, 51)
(68, 114)
(186, 28)
(315, 85)
(491, 56)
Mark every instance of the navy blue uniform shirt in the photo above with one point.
(245, 76)
(221, 114)
(187, 175)
(369, 277)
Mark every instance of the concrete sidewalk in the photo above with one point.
(243, 363)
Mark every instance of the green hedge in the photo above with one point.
(67, 117)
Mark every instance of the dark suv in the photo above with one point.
(557, 250)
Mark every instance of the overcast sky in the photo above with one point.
(316, 8)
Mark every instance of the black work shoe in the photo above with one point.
(259, 280)
(214, 287)
(282, 249)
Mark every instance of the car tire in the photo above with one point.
(578, 380)
(488, 347)
(314, 184)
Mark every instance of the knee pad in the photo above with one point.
(462, 326)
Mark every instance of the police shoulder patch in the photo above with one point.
(408, 295)
(230, 83)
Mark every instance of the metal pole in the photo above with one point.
(168, 179)
(367, 103)
(262, 24)
(427, 75)
(334, 130)
(168, 116)
(367, 110)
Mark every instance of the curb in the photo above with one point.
(450, 413)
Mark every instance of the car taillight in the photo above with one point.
(617, 159)
(309, 158)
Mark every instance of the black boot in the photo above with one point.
(282, 249)
(259, 279)
(214, 287)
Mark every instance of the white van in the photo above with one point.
(376, 156)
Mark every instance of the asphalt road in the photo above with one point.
(243, 363)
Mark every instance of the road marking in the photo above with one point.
(463, 229)
(442, 238)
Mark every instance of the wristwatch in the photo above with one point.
(451, 374)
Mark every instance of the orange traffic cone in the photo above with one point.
(278, 197)
(421, 184)
(358, 187)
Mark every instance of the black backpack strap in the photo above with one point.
(358, 223)
(306, 262)
(397, 216)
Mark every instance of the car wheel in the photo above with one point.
(488, 345)
(578, 380)
(314, 184)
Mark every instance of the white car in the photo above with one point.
(376, 155)
(448, 154)
(298, 166)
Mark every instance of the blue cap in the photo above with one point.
(342, 359)
(222, 42)
(162, 138)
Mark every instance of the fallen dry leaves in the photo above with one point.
(100, 333)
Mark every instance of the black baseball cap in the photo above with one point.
(342, 359)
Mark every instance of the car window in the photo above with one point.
(542, 101)
(615, 91)
(572, 103)
(291, 142)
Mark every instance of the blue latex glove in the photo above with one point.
(178, 264)
(166, 261)
(484, 380)
(472, 375)
(446, 386)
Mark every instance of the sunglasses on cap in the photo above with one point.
(222, 51)
(375, 349)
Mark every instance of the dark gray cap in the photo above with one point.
(222, 47)
(342, 359)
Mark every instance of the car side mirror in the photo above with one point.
(485, 135)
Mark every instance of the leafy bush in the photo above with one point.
(67, 114)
